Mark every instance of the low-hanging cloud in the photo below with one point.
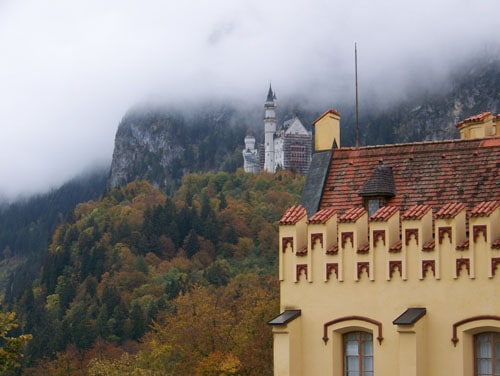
(69, 70)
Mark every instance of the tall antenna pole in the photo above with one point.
(357, 103)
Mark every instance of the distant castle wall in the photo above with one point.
(286, 147)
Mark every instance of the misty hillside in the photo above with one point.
(433, 114)
(162, 144)
(27, 225)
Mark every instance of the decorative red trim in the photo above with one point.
(364, 250)
(346, 235)
(284, 243)
(426, 264)
(454, 338)
(301, 252)
(332, 250)
(477, 229)
(442, 231)
(348, 318)
(378, 234)
(395, 248)
(363, 265)
(461, 262)
(332, 266)
(317, 236)
(495, 261)
(409, 232)
(395, 265)
(299, 269)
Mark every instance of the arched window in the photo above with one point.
(358, 354)
(487, 354)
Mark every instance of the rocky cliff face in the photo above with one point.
(144, 147)
(161, 145)
(432, 115)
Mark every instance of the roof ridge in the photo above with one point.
(417, 143)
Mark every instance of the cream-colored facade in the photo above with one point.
(421, 279)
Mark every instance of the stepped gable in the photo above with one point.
(352, 215)
(383, 214)
(293, 215)
(434, 173)
(322, 216)
(416, 212)
(450, 210)
(484, 209)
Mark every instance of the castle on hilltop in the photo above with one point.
(286, 147)
(390, 265)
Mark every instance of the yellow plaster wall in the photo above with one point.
(448, 298)
(327, 129)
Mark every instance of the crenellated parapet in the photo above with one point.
(421, 243)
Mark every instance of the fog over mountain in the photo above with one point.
(70, 70)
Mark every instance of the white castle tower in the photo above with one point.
(250, 156)
(270, 130)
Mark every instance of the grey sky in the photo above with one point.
(70, 69)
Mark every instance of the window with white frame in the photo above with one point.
(487, 354)
(358, 354)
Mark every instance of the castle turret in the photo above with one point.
(250, 155)
(270, 129)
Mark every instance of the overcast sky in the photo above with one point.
(70, 69)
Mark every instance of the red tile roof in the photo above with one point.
(433, 173)
(396, 248)
(474, 119)
(293, 215)
(333, 250)
(301, 252)
(322, 216)
(496, 244)
(416, 212)
(484, 209)
(330, 111)
(364, 249)
(429, 246)
(384, 213)
(463, 245)
(352, 215)
(450, 210)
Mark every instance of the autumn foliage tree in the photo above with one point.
(12, 346)
(190, 276)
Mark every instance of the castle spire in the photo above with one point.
(270, 95)
(269, 130)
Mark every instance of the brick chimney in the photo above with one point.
(478, 126)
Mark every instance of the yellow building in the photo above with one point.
(390, 265)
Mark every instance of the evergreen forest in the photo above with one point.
(143, 283)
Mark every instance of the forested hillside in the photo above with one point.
(27, 225)
(182, 284)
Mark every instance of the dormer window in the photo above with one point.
(372, 205)
(378, 189)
